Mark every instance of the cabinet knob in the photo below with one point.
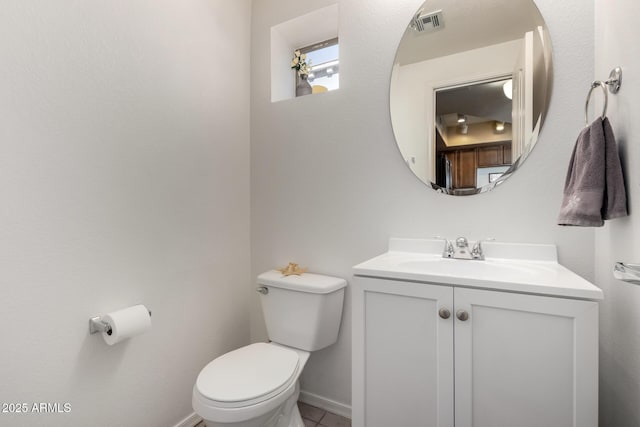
(444, 313)
(462, 315)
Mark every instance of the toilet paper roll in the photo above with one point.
(126, 323)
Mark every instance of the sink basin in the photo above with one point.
(524, 268)
(486, 268)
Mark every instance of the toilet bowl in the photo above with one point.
(257, 385)
(254, 386)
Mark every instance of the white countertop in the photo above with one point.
(523, 268)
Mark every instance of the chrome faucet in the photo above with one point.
(462, 242)
(462, 249)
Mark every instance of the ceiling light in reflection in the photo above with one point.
(507, 88)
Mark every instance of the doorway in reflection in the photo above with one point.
(474, 134)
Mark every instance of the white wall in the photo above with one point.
(332, 198)
(615, 29)
(124, 164)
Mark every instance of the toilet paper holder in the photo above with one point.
(96, 324)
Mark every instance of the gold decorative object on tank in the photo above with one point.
(292, 269)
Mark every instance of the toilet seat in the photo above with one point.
(248, 376)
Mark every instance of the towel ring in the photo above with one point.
(613, 83)
(594, 85)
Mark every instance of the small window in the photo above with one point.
(325, 65)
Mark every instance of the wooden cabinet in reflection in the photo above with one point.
(462, 163)
(465, 169)
(494, 155)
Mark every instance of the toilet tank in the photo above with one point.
(303, 311)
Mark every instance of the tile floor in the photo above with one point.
(316, 417)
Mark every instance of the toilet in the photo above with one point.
(257, 385)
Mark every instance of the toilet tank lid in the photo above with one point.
(307, 282)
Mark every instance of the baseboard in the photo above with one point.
(326, 404)
(190, 421)
(306, 397)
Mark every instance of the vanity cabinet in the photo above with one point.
(440, 355)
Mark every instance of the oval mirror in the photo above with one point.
(469, 91)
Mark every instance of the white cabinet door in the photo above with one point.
(402, 354)
(526, 361)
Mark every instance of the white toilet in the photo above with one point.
(257, 385)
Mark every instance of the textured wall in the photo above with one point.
(329, 187)
(124, 175)
(616, 28)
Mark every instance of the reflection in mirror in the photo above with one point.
(473, 122)
(469, 91)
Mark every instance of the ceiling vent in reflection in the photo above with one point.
(427, 22)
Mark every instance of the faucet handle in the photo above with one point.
(476, 252)
(448, 251)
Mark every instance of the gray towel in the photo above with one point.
(594, 188)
